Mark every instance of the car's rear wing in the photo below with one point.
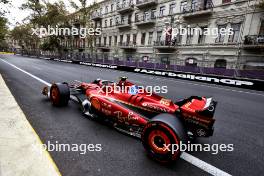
(209, 108)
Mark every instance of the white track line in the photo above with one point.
(33, 76)
(203, 165)
(185, 156)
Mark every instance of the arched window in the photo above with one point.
(220, 63)
(191, 62)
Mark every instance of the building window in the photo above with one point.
(159, 34)
(128, 38)
(226, 1)
(121, 38)
(261, 30)
(106, 9)
(105, 41)
(172, 9)
(143, 37)
(165, 60)
(220, 38)
(150, 38)
(162, 10)
(134, 39)
(201, 39)
(112, 7)
(236, 30)
(191, 62)
(122, 19)
(111, 22)
(110, 40)
(195, 5)
(183, 6)
(146, 16)
(177, 39)
(99, 40)
(129, 19)
(115, 40)
(153, 13)
(106, 23)
(189, 39)
(220, 63)
(136, 17)
(117, 20)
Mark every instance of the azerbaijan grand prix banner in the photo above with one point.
(211, 79)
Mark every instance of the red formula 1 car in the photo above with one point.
(156, 120)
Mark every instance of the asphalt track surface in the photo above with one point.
(239, 121)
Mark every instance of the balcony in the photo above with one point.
(141, 4)
(125, 24)
(125, 8)
(96, 16)
(198, 9)
(128, 45)
(145, 20)
(102, 46)
(165, 45)
(254, 42)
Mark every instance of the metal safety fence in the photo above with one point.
(139, 62)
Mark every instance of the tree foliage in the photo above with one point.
(23, 35)
(85, 10)
(45, 14)
(3, 32)
(261, 4)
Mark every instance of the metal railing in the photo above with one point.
(198, 6)
(126, 5)
(145, 2)
(145, 18)
(254, 40)
(96, 15)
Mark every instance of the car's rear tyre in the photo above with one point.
(160, 135)
(60, 94)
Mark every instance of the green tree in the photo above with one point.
(85, 10)
(23, 35)
(46, 14)
(3, 32)
(37, 9)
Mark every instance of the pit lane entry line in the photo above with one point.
(185, 156)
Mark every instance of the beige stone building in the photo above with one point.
(133, 30)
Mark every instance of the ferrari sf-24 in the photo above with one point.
(157, 121)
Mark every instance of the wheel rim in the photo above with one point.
(55, 95)
(158, 141)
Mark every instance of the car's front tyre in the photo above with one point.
(60, 94)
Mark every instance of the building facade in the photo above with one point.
(140, 31)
